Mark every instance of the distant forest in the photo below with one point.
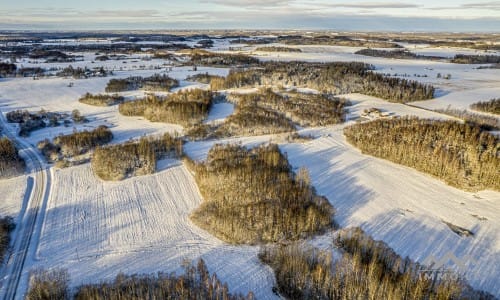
(336, 78)
(462, 155)
(476, 59)
(252, 196)
(159, 83)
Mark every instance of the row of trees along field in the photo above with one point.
(117, 162)
(462, 155)
(368, 269)
(101, 100)
(252, 196)
(11, 164)
(476, 59)
(157, 82)
(6, 227)
(74, 144)
(335, 78)
(485, 122)
(186, 107)
(268, 112)
(196, 283)
(492, 106)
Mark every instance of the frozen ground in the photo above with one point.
(96, 229)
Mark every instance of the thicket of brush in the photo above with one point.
(77, 143)
(11, 164)
(101, 100)
(462, 155)
(195, 283)
(186, 107)
(160, 83)
(368, 269)
(117, 162)
(252, 196)
(335, 78)
(6, 227)
(492, 106)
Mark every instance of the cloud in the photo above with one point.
(495, 5)
(367, 5)
(249, 3)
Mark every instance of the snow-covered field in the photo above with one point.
(97, 229)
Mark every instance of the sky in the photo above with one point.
(423, 15)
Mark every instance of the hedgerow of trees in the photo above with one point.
(368, 269)
(336, 78)
(162, 83)
(277, 49)
(252, 196)
(11, 164)
(195, 283)
(101, 100)
(186, 107)
(6, 227)
(117, 162)
(462, 155)
(476, 59)
(492, 106)
(76, 143)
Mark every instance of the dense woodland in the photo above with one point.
(336, 78)
(462, 155)
(368, 269)
(159, 83)
(117, 162)
(211, 59)
(6, 227)
(186, 107)
(11, 164)
(196, 283)
(476, 59)
(77, 143)
(335, 40)
(398, 54)
(252, 196)
(277, 49)
(101, 100)
(492, 106)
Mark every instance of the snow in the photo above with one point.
(97, 229)
(219, 112)
(13, 191)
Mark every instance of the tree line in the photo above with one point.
(186, 107)
(277, 49)
(117, 162)
(476, 59)
(6, 227)
(398, 54)
(212, 59)
(335, 78)
(474, 119)
(11, 164)
(461, 154)
(77, 143)
(492, 106)
(194, 283)
(153, 83)
(101, 100)
(368, 269)
(252, 196)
